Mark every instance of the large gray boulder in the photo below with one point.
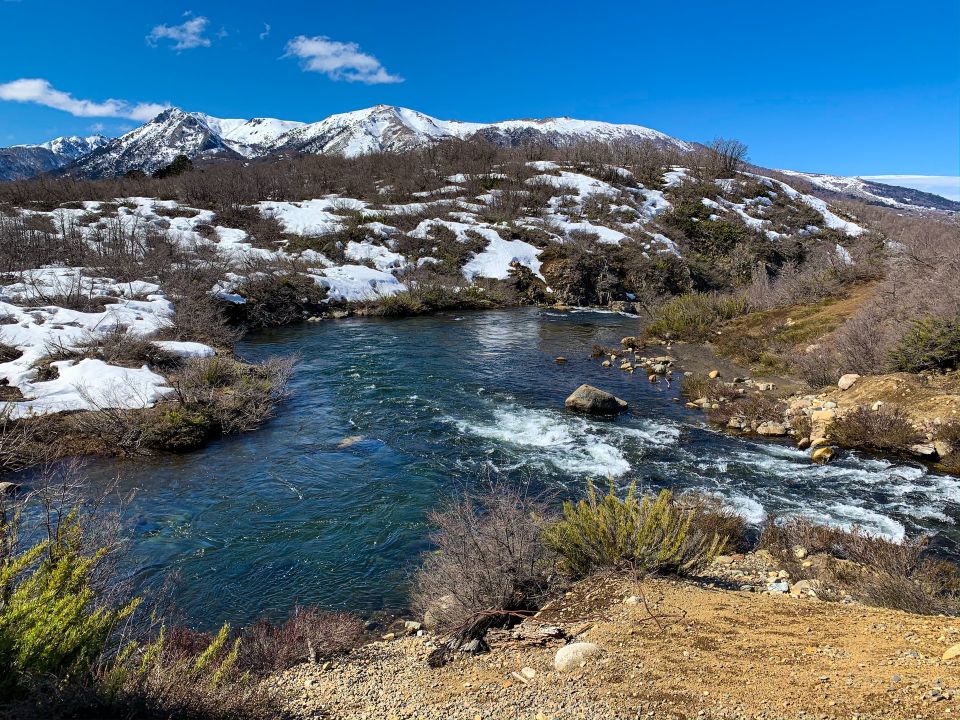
(588, 399)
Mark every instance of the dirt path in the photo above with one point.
(713, 654)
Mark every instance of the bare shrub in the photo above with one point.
(308, 635)
(277, 297)
(119, 347)
(754, 408)
(489, 566)
(874, 570)
(888, 429)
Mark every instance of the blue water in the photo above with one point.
(388, 418)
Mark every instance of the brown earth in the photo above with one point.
(925, 398)
(685, 651)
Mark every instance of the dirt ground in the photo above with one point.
(683, 651)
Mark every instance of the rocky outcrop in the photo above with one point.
(591, 400)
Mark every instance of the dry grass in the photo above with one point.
(875, 571)
(883, 430)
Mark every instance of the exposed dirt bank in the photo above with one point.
(709, 653)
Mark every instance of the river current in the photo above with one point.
(389, 418)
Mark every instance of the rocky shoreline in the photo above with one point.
(783, 407)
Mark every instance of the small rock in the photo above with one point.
(803, 443)
(952, 652)
(877, 405)
(629, 343)
(560, 360)
(652, 378)
(818, 442)
(779, 587)
(8, 488)
(348, 441)
(772, 429)
(846, 381)
(714, 374)
(574, 655)
(723, 560)
(942, 447)
(412, 626)
(924, 449)
(822, 455)
(799, 552)
(605, 363)
(389, 636)
(528, 672)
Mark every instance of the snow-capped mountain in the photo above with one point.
(382, 128)
(385, 128)
(23, 161)
(250, 138)
(154, 145)
(878, 193)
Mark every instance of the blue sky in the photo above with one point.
(849, 88)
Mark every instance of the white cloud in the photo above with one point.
(947, 186)
(187, 35)
(339, 60)
(98, 127)
(266, 31)
(41, 92)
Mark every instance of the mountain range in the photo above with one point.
(382, 128)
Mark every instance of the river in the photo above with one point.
(389, 418)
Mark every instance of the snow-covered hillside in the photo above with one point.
(370, 248)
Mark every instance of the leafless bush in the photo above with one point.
(308, 635)
(721, 158)
(117, 346)
(872, 569)
(712, 517)
(489, 566)
(888, 429)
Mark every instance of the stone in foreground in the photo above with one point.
(588, 399)
(574, 656)
(846, 381)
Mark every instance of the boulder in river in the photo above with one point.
(588, 399)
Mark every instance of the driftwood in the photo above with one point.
(470, 637)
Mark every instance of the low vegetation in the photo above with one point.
(649, 534)
(887, 429)
(873, 570)
(74, 643)
(695, 317)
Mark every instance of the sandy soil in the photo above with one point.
(690, 651)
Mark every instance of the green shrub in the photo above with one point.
(52, 622)
(652, 534)
(693, 317)
(932, 343)
(176, 428)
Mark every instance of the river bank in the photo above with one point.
(691, 651)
